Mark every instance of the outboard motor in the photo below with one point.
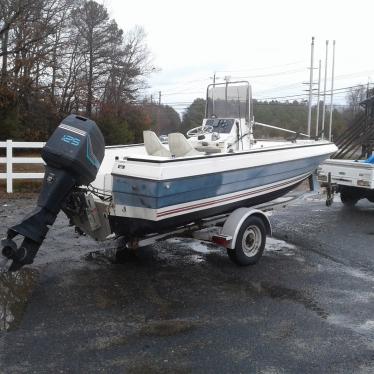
(73, 155)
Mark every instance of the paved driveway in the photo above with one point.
(183, 307)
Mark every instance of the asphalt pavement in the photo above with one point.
(181, 306)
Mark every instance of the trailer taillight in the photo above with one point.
(363, 183)
(322, 178)
(223, 240)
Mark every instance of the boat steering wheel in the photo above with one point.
(200, 130)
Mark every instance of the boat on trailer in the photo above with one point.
(219, 168)
(154, 188)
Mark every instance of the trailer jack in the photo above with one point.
(330, 191)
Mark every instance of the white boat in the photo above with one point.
(138, 190)
(219, 167)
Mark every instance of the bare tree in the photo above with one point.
(98, 36)
(10, 13)
(59, 56)
(130, 67)
(27, 35)
(354, 97)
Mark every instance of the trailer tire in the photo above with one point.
(250, 242)
(348, 198)
(370, 196)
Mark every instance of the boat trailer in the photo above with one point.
(242, 232)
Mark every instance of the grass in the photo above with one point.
(27, 188)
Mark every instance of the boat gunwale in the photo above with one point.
(216, 155)
(199, 175)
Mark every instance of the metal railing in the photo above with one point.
(9, 160)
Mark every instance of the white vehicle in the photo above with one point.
(354, 180)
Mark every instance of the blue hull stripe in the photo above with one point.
(153, 194)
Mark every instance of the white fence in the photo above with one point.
(9, 160)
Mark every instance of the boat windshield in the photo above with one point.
(228, 100)
(221, 125)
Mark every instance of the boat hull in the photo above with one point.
(131, 227)
(154, 195)
(143, 206)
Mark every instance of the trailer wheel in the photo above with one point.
(250, 242)
(370, 196)
(348, 198)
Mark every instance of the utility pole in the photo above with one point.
(158, 111)
(332, 88)
(310, 85)
(324, 91)
(214, 86)
(318, 95)
(227, 80)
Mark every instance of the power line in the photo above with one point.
(253, 76)
(181, 93)
(241, 77)
(337, 91)
(292, 85)
(260, 68)
(204, 80)
(286, 72)
(301, 95)
(355, 74)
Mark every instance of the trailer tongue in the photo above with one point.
(73, 155)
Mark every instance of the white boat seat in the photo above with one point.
(153, 145)
(180, 147)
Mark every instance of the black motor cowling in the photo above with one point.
(77, 146)
(73, 155)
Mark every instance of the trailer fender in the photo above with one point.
(235, 220)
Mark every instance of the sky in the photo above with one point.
(265, 42)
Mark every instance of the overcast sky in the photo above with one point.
(265, 42)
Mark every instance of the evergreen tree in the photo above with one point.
(194, 115)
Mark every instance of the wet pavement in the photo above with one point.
(182, 307)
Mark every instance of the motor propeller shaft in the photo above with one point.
(24, 255)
